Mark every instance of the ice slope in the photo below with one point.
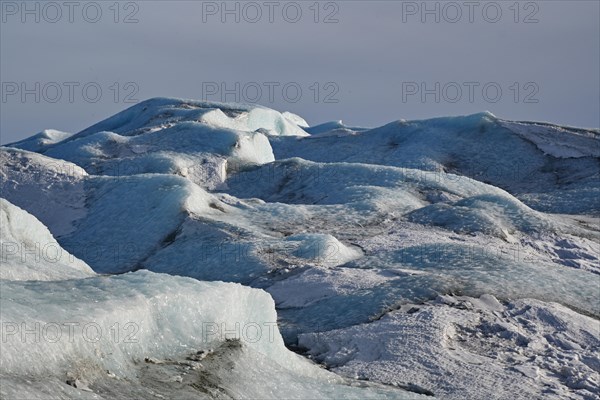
(50, 189)
(93, 216)
(480, 146)
(471, 348)
(124, 334)
(190, 149)
(342, 200)
(323, 248)
(174, 136)
(161, 208)
(235, 246)
(370, 192)
(39, 142)
(558, 141)
(344, 227)
(158, 113)
(368, 187)
(28, 251)
(141, 334)
(131, 217)
(315, 300)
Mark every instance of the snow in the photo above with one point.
(159, 112)
(296, 119)
(30, 252)
(478, 146)
(115, 323)
(558, 141)
(456, 256)
(40, 141)
(324, 249)
(458, 347)
(178, 149)
(50, 189)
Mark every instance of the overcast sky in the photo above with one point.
(365, 62)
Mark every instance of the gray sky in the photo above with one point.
(370, 67)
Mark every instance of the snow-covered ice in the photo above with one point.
(30, 252)
(50, 189)
(455, 257)
(460, 347)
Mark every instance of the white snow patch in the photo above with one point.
(322, 249)
(41, 141)
(558, 141)
(172, 334)
(29, 252)
(50, 189)
(469, 348)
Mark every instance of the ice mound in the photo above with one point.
(333, 128)
(479, 146)
(209, 251)
(475, 268)
(298, 181)
(315, 284)
(413, 263)
(154, 205)
(41, 141)
(322, 249)
(296, 119)
(371, 239)
(557, 141)
(50, 189)
(158, 113)
(184, 310)
(184, 147)
(455, 202)
(204, 169)
(125, 334)
(30, 252)
(490, 214)
(125, 143)
(94, 215)
(461, 347)
(264, 119)
(233, 248)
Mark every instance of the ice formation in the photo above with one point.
(30, 252)
(454, 257)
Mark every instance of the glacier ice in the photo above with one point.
(117, 325)
(50, 189)
(452, 257)
(479, 146)
(124, 333)
(30, 252)
(464, 347)
(39, 142)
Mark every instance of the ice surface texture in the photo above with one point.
(454, 257)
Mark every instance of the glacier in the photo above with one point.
(455, 257)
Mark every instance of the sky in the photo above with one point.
(66, 65)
